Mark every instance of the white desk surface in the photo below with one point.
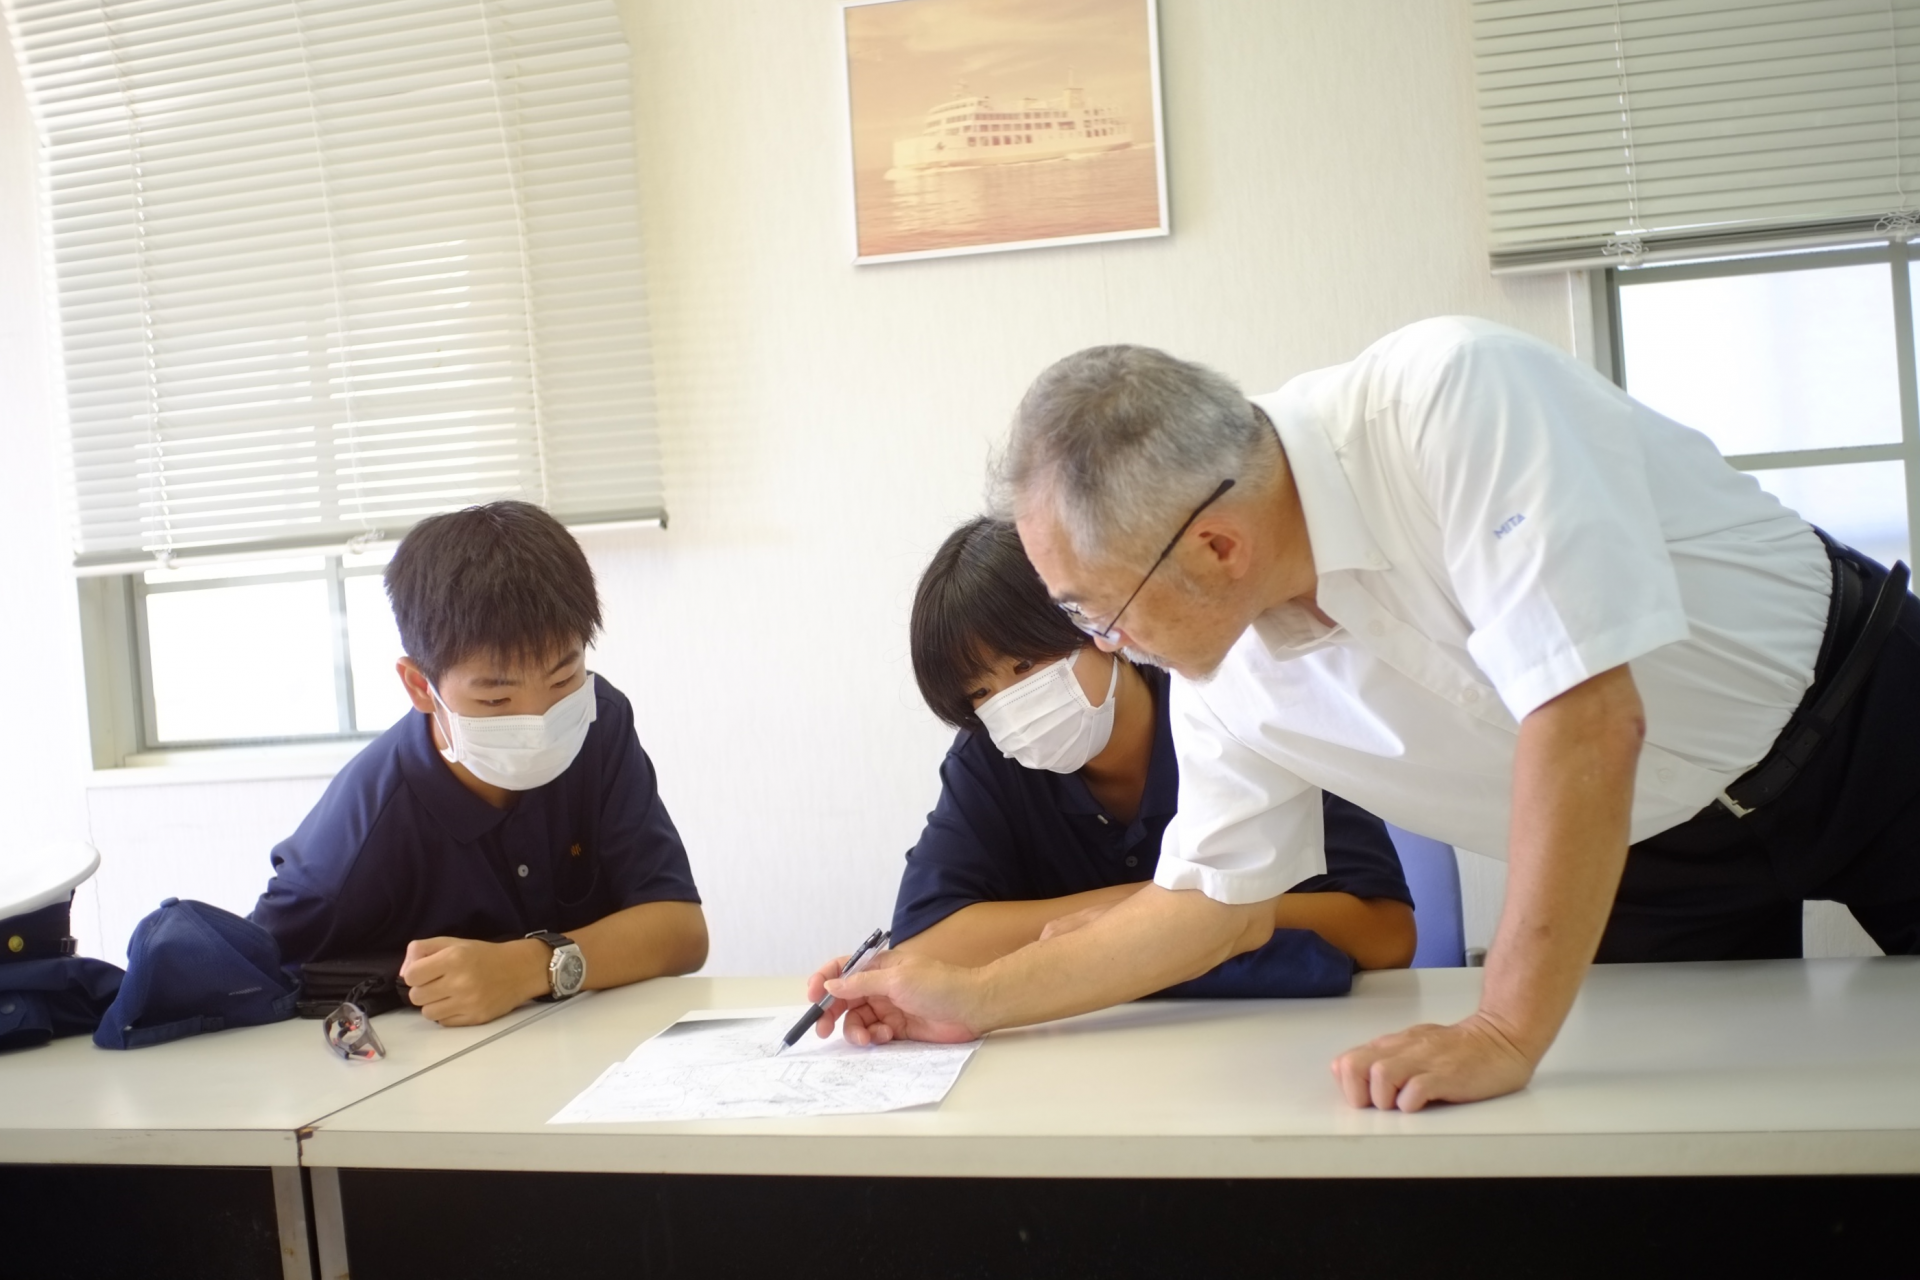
(235, 1097)
(1737, 1068)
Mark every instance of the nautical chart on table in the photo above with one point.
(719, 1064)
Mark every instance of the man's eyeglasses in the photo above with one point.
(1109, 632)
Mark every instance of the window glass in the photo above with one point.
(250, 661)
(1769, 362)
(373, 645)
(1862, 504)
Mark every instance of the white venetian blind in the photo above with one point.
(1670, 128)
(327, 266)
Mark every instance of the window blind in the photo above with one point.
(1651, 129)
(324, 267)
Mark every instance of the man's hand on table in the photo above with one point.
(459, 982)
(934, 1000)
(1573, 774)
(1465, 1062)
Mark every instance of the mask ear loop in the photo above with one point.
(450, 753)
(1113, 681)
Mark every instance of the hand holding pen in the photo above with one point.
(888, 995)
(874, 944)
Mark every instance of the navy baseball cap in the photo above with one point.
(192, 967)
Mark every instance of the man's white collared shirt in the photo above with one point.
(1492, 523)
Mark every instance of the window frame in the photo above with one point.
(119, 664)
(1897, 254)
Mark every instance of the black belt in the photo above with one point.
(1839, 673)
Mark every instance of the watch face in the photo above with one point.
(569, 970)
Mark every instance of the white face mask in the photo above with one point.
(520, 753)
(1046, 722)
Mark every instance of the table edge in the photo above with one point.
(251, 1148)
(1703, 1154)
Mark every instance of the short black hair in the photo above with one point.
(980, 600)
(504, 581)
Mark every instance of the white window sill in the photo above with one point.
(230, 764)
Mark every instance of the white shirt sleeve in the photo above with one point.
(1247, 829)
(1537, 476)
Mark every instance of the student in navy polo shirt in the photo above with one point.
(1056, 792)
(508, 833)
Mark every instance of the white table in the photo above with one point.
(234, 1098)
(1736, 1068)
(1708, 1069)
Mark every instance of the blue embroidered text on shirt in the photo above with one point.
(1509, 525)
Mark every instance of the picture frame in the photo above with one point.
(982, 126)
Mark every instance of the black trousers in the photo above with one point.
(1847, 830)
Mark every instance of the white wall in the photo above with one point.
(826, 425)
(43, 736)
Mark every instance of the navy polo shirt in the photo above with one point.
(1003, 832)
(398, 849)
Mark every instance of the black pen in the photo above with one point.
(876, 941)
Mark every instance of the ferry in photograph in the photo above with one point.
(969, 131)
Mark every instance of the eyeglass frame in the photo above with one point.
(1108, 632)
(349, 1032)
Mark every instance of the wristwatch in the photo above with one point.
(567, 970)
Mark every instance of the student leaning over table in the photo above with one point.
(511, 823)
(1470, 584)
(1056, 792)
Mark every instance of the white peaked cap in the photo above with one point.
(43, 876)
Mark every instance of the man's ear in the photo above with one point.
(1226, 551)
(419, 688)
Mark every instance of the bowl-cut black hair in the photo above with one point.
(504, 581)
(978, 601)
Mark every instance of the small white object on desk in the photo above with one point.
(720, 1064)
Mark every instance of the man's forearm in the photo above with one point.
(1154, 939)
(983, 932)
(641, 942)
(1572, 808)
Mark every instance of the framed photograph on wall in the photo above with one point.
(981, 125)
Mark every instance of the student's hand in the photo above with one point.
(1074, 920)
(902, 996)
(459, 982)
(1465, 1062)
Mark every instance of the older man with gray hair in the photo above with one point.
(1472, 586)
